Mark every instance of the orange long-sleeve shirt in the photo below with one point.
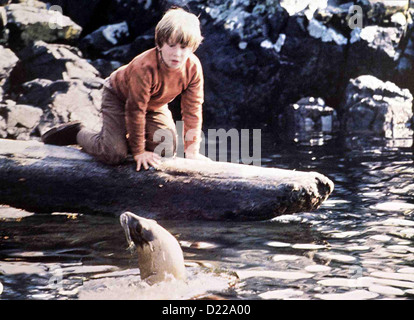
(146, 83)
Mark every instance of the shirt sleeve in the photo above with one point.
(139, 93)
(191, 110)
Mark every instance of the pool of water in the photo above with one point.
(358, 245)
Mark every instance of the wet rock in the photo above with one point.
(377, 108)
(51, 61)
(18, 121)
(8, 61)
(28, 24)
(310, 116)
(63, 101)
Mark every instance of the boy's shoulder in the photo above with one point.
(146, 58)
(194, 63)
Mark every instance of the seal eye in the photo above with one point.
(142, 235)
(147, 235)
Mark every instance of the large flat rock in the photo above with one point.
(44, 178)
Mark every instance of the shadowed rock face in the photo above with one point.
(49, 178)
(377, 108)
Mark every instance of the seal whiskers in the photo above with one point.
(159, 254)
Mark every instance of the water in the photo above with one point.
(359, 244)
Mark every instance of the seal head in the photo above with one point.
(159, 255)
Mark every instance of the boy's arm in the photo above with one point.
(191, 110)
(139, 89)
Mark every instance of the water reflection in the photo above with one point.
(359, 244)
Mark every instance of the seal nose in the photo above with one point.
(123, 219)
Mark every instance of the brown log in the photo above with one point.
(44, 178)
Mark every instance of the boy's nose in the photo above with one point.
(178, 50)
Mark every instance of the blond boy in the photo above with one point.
(136, 96)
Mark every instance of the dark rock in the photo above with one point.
(53, 62)
(106, 67)
(105, 38)
(312, 60)
(374, 50)
(378, 108)
(125, 53)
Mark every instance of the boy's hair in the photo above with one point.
(178, 26)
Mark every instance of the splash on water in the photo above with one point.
(130, 287)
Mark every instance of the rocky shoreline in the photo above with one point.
(303, 67)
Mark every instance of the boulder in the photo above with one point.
(310, 117)
(377, 108)
(8, 61)
(106, 67)
(374, 50)
(105, 38)
(51, 61)
(125, 53)
(18, 121)
(28, 24)
(65, 100)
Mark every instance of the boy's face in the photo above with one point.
(175, 55)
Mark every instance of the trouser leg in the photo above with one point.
(109, 145)
(160, 132)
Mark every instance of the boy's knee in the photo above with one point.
(115, 155)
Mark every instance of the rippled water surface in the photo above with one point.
(358, 245)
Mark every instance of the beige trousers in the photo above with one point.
(111, 146)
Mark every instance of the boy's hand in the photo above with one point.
(196, 156)
(147, 159)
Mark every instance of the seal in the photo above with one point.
(159, 253)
